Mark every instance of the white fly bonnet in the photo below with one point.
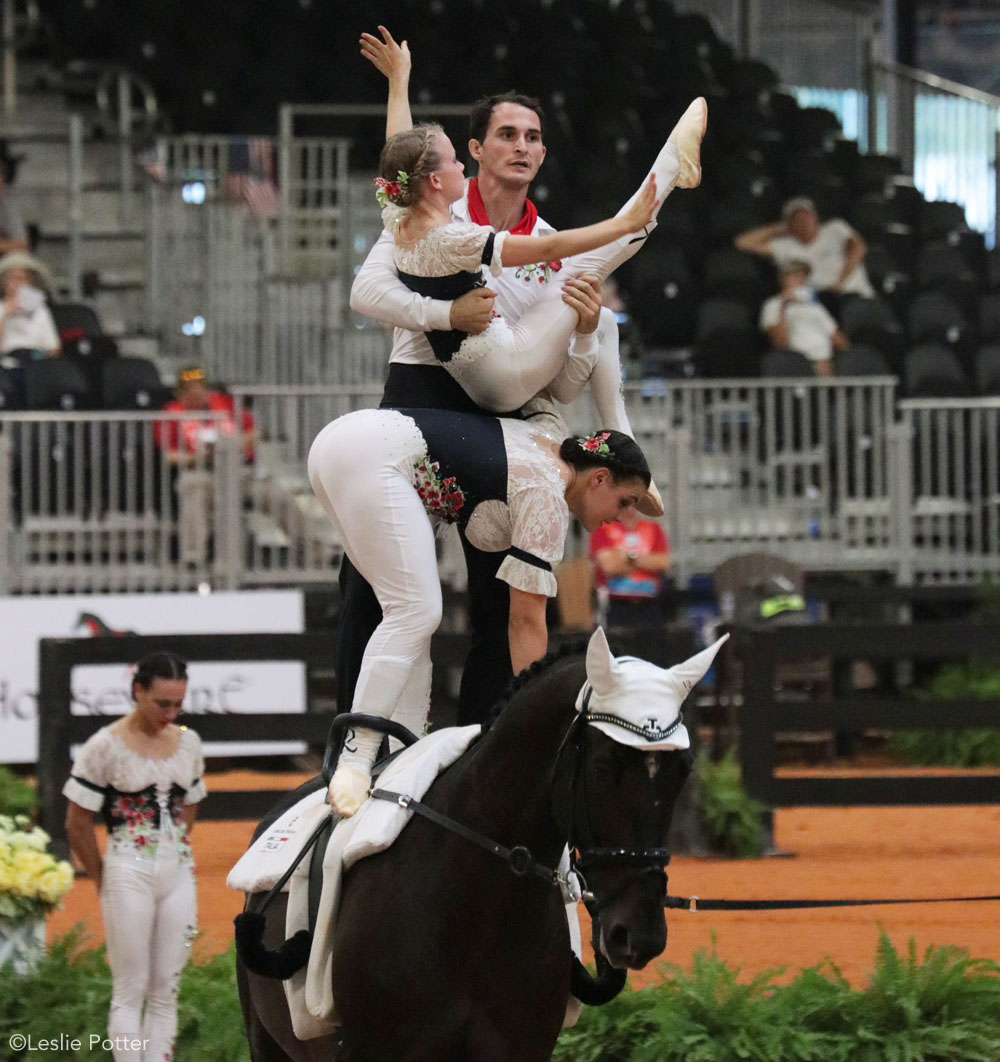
(637, 703)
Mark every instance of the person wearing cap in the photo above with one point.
(795, 319)
(189, 444)
(833, 250)
(26, 323)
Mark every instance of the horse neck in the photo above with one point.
(506, 778)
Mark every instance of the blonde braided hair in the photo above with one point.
(413, 152)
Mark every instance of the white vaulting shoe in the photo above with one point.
(687, 134)
(349, 789)
(651, 504)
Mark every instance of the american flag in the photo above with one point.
(250, 175)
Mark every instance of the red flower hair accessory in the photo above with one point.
(387, 192)
(597, 444)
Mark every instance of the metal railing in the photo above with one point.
(945, 134)
(255, 296)
(93, 502)
(833, 474)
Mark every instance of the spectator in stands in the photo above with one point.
(143, 774)
(13, 231)
(190, 444)
(26, 324)
(833, 250)
(795, 319)
(631, 560)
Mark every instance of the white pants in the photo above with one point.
(148, 907)
(388, 537)
(507, 364)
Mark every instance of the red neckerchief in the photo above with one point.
(477, 211)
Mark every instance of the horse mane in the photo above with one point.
(530, 673)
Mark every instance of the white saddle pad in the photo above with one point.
(263, 863)
(373, 828)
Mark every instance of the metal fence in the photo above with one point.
(251, 275)
(833, 474)
(95, 502)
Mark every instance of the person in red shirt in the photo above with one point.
(187, 442)
(631, 559)
(189, 445)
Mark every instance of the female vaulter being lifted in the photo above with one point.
(505, 366)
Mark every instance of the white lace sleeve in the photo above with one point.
(539, 524)
(196, 791)
(462, 244)
(89, 774)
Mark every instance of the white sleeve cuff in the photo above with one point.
(527, 577)
(91, 799)
(496, 264)
(437, 314)
(196, 793)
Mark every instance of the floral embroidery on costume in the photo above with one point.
(134, 820)
(442, 496)
(597, 444)
(540, 271)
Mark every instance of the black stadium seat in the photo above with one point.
(932, 370)
(987, 369)
(131, 383)
(860, 360)
(786, 363)
(56, 384)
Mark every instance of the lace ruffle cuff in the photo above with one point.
(527, 577)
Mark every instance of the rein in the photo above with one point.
(519, 859)
(695, 903)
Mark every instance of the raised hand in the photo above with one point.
(386, 55)
(640, 213)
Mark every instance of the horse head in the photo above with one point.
(631, 761)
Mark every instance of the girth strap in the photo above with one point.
(519, 859)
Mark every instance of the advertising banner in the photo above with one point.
(230, 688)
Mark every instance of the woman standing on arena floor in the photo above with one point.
(385, 477)
(143, 774)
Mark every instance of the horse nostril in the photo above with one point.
(618, 939)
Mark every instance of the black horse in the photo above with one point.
(441, 952)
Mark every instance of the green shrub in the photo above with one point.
(954, 748)
(69, 992)
(730, 817)
(945, 1007)
(17, 797)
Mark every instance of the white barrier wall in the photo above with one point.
(230, 688)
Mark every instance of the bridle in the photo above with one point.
(585, 853)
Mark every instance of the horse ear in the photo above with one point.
(692, 669)
(603, 672)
